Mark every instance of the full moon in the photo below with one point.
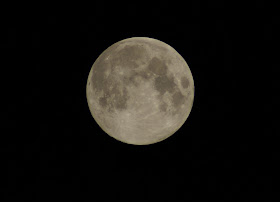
(140, 91)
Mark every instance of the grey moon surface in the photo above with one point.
(140, 91)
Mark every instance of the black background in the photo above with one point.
(53, 148)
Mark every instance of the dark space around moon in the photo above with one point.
(53, 146)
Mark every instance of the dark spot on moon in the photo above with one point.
(163, 107)
(114, 95)
(120, 100)
(157, 66)
(144, 75)
(163, 84)
(103, 101)
(185, 82)
(136, 77)
(134, 80)
(177, 98)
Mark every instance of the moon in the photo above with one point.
(140, 91)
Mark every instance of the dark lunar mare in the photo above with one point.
(185, 82)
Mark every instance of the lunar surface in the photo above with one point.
(140, 91)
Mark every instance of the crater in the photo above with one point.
(103, 102)
(177, 98)
(136, 77)
(157, 66)
(163, 84)
(163, 107)
(185, 82)
(114, 98)
(120, 99)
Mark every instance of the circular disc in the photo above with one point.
(140, 91)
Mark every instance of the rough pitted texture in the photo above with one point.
(140, 91)
(185, 82)
(157, 66)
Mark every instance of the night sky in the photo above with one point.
(53, 148)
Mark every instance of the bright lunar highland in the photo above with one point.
(140, 91)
